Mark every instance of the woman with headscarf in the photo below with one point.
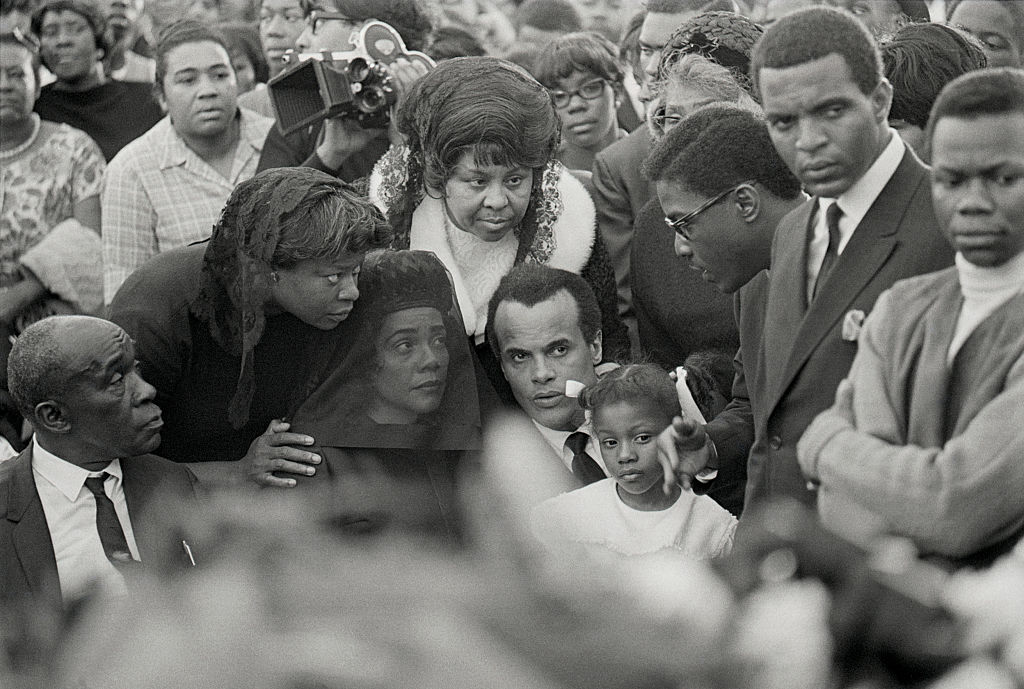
(394, 406)
(477, 183)
(705, 61)
(225, 330)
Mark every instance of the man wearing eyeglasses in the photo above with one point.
(869, 224)
(619, 190)
(339, 146)
(724, 188)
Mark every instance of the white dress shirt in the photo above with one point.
(855, 203)
(556, 439)
(70, 510)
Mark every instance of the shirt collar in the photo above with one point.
(68, 478)
(175, 150)
(556, 439)
(858, 199)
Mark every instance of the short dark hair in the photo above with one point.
(178, 33)
(814, 33)
(629, 44)
(242, 38)
(410, 18)
(633, 383)
(35, 370)
(919, 60)
(583, 51)
(447, 42)
(85, 9)
(718, 147)
(548, 15)
(977, 94)
(328, 222)
(531, 283)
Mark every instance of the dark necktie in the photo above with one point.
(115, 545)
(832, 216)
(583, 465)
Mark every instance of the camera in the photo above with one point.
(355, 84)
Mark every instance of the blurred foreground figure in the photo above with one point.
(926, 433)
(74, 499)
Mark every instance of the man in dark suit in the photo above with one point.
(544, 326)
(73, 503)
(724, 188)
(869, 224)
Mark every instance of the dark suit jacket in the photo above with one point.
(619, 193)
(27, 563)
(803, 355)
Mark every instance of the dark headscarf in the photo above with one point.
(726, 38)
(236, 282)
(335, 407)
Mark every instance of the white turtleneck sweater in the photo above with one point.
(984, 290)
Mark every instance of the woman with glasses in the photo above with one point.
(584, 77)
(478, 184)
(340, 146)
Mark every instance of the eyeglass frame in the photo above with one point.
(320, 15)
(558, 93)
(679, 224)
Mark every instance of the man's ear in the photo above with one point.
(595, 349)
(881, 101)
(748, 202)
(51, 417)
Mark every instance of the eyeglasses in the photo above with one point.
(679, 224)
(664, 121)
(317, 18)
(588, 90)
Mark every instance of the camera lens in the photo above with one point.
(372, 99)
(358, 69)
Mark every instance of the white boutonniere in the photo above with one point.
(852, 323)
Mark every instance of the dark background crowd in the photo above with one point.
(572, 343)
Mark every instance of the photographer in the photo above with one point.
(340, 146)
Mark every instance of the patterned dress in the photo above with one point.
(40, 187)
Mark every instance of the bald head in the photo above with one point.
(54, 353)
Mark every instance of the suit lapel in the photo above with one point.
(787, 296)
(138, 486)
(872, 242)
(30, 535)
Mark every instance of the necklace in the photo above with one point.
(24, 145)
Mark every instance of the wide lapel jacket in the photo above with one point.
(29, 566)
(804, 354)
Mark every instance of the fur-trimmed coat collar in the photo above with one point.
(574, 233)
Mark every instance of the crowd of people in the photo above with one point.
(671, 344)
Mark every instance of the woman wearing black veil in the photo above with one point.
(395, 410)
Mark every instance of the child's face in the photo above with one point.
(627, 432)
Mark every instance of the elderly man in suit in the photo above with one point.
(73, 501)
(870, 223)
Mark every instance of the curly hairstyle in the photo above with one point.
(725, 38)
(718, 147)
(583, 51)
(272, 221)
(920, 59)
(485, 106)
(816, 32)
(85, 9)
(531, 283)
(634, 383)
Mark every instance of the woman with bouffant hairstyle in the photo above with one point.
(477, 183)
